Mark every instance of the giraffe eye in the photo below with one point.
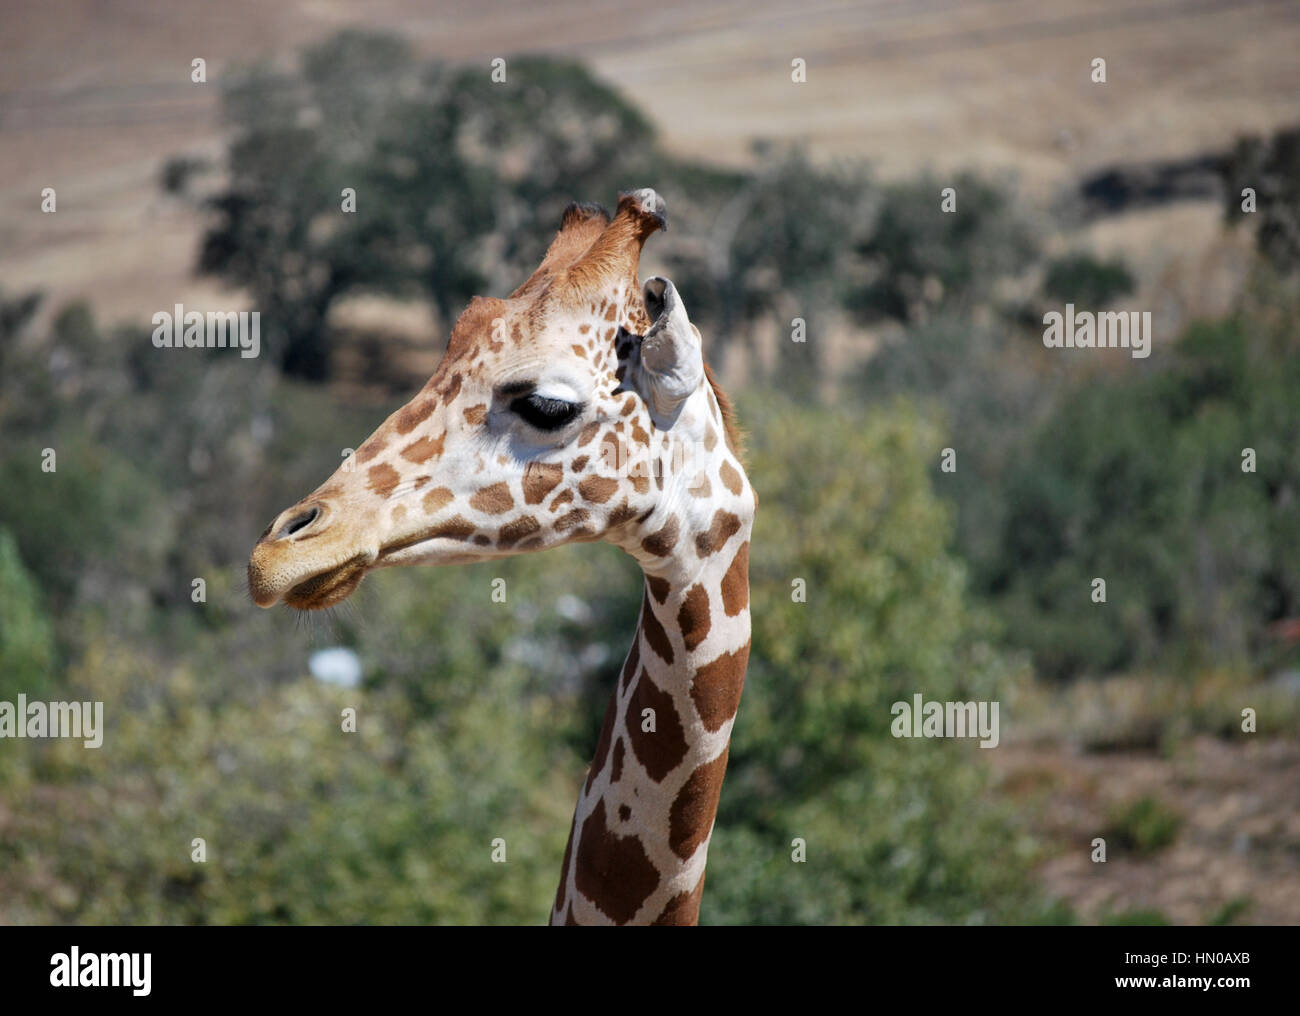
(544, 413)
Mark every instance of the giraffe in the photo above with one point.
(578, 409)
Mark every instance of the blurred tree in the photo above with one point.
(280, 229)
(988, 385)
(1271, 169)
(858, 603)
(1086, 281)
(16, 314)
(458, 181)
(781, 244)
(1140, 481)
(220, 737)
(26, 638)
(268, 240)
(919, 255)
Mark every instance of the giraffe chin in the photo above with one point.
(328, 588)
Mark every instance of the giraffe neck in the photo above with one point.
(640, 834)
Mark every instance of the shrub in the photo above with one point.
(1081, 279)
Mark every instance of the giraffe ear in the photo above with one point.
(671, 353)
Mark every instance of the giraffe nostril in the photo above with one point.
(298, 523)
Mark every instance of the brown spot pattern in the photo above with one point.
(570, 519)
(456, 528)
(493, 500)
(598, 489)
(661, 544)
(613, 452)
(512, 532)
(693, 618)
(632, 661)
(662, 750)
(382, 479)
(414, 413)
(684, 908)
(602, 745)
(623, 513)
(370, 449)
(724, 526)
(436, 498)
(690, 820)
(730, 478)
(540, 478)
(613, 871)
(564, 870)
(616, 767)
(735, 584)
(424, 449)
(655, 636)
(658, 586)
(716, 687)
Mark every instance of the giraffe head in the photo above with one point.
(578, 409)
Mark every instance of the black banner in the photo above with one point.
(166, 966)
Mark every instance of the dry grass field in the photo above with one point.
(94, 96)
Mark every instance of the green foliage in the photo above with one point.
(1229, 912)
(782, 245)
(1159, 454)
(303, 823)
(896, 830)
(26, 638)
(985, 382)
(476, 718)
(65, 522)
(1271, 168)
(1084, 280)
(16, 314)
(1143, 826)
(459, 181)
(920, 256)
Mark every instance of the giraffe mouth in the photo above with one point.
(436, 550)
(329, 587)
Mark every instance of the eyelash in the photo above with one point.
(544, 413)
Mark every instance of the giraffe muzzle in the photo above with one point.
(304, 561)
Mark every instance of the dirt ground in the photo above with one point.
(1235, 854)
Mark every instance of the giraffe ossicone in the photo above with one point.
(579, 408)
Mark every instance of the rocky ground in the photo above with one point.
(1233, 854)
